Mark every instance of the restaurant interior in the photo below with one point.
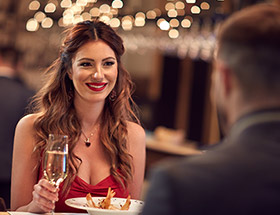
(169, 54)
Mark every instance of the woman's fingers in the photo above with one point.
(42, 202)
(46, 184)
(45, 195)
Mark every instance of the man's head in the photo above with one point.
(9, 56)
(248, 58)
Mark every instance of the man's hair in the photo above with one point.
(9, 54)
(249, 43)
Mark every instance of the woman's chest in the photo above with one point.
(94, 163)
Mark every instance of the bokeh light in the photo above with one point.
(117, 4)
(205, 6)
(164, 25)
(39, 16)
(34, 5)
(47, 22)
(66, 3)
(50, 8)
(32, 25)
(173, 33)
(174, 23)
(186, 23)
(115, 23)
(151, 14)
(195, 9)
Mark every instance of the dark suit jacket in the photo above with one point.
(240, 176)
(14, 97)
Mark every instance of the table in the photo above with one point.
(183, 149)
(26, 213)
(159, 150)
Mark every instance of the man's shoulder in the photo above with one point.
(207, 159)
(16, 86)
(210, 168)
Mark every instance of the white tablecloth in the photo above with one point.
(27, 213)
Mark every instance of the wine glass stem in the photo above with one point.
(56, 186)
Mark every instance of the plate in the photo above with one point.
(135, 207)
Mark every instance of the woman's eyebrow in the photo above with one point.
(109, 58)
(90, 59)
(85, 58)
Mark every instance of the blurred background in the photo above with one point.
(169, 54)
(169, 50)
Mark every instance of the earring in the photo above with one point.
(113, 95)
(70, 94)
(70, 97)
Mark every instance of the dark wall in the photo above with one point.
(164, 113)
(197, 100)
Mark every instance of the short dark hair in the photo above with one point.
(249, 43)
(10, 54)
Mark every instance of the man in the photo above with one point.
(241, 175)
(14, 97)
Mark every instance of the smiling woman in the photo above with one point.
(94, 67)
(87, 97)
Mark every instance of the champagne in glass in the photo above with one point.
(56, 159)
(56, 166)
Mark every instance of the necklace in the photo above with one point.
(87, 141)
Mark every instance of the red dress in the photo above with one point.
(80, 188)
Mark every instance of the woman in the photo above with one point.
(87, 96)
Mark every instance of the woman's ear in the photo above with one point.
(70, 74)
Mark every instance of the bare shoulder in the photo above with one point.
(27, 120)
(135, 130)
(136, 136)
(25, 128)
(137, 149)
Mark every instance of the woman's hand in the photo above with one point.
(44, 197)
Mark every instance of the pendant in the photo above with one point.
(87, 142)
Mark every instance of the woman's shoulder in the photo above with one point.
(27, 121)
(24, 133)
(136, 135)
(135, 129)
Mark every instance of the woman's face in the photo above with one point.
(94, 71)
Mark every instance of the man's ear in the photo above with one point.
(226, 77)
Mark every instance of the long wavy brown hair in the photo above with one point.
(56, 113)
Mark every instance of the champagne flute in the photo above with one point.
(56, 159)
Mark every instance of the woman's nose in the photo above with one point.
(98, 74)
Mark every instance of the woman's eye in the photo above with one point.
(109, 63)
(85, 64)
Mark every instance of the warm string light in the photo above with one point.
(50, 8)
(66, 3)
(191, 1)
(195, 9)
(117, 4)
(75, 11)
(174, 42)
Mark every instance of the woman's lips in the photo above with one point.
(96, 86)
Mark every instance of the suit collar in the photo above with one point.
(254, 118)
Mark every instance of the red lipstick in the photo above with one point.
(96, 86)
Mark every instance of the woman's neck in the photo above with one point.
(88, 113)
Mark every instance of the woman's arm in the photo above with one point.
(137, 148)
(26, 194)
